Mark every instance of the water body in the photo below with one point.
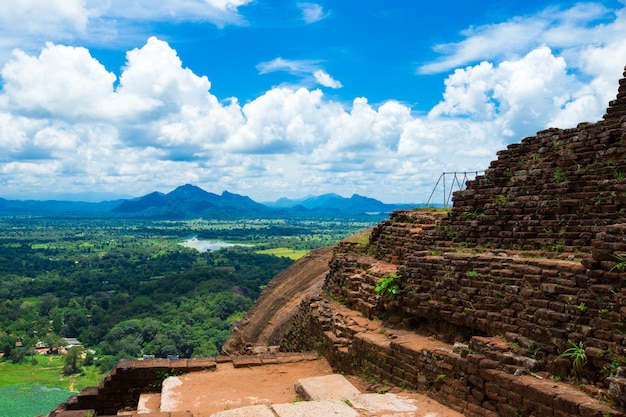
(208, 245)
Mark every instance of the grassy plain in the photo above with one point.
(47, 371)
(294, 254)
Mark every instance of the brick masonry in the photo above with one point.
(122, 388)
(551, 192)
(529, 262)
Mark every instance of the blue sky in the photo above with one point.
(289, 98)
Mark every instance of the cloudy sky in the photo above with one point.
(273, 98)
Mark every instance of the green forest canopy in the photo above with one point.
(127, 288)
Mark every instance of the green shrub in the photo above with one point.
(387, 286)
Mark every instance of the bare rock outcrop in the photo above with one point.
(273, 313)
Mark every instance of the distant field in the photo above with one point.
(29, 389)
(294, 254)
(48, 372)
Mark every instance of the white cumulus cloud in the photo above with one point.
(324, 79)
(519, 95)
(63, 81)
(309, 72)
(312, 12)
(67, 122)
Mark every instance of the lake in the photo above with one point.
(208, 245)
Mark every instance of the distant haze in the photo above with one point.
(91, 197)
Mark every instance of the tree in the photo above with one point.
(72, 361)
(17, 354)
(47, 303)
(89, 359)
(53, 341)
(7, 343)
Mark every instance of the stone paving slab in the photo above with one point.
(326, 408)
(202, 363)
(251, 411)
(246, 361)
(376, 403)
(170, 398)
(327, 387)
(148, 403)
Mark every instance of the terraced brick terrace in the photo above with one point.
(522, 285)
(479, 331)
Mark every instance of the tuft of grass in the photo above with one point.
(620, 264)
(559, 176)
(577, 355)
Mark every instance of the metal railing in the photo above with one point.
(457, 178)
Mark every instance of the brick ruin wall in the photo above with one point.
(529, 261)
(479, 379)
(128, 380)
(551, 192)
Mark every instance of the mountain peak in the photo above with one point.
(190, 191)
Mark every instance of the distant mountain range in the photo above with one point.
(356, 203)
(189, 201)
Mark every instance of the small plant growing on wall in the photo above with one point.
(559, 176)
(500, 200)
(471, 215)
(576, 353)
(620, 265)
(387, 286)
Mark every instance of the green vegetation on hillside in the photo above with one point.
(126, 288)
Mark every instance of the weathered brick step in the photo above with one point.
(408, 359)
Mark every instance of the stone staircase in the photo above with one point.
(529, 262)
